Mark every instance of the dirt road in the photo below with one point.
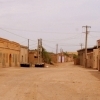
(66, 82)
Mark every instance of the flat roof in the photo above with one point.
(91, 48)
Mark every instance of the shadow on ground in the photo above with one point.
(95, 73)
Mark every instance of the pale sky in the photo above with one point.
(55, 21)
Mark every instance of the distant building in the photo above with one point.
(23, 54)
(70, 56)
(9, 53)
(61, 58)
(81, 55)
(33, 57)
(53, 57)
(93, 57)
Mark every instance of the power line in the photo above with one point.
(72, 45)
(48, 46)
(73, 37)
(81, 45)
(33, 44)
(94, 36)
(23, 41)
(95, 31)
(15, 34)
(40, 31)
(69, 45)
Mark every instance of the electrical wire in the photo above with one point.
(95, 31)
(48, 46)
(40, 31)
(33, 44)
(23, 41)
(15, 34)
(93, 36)
(70, 38)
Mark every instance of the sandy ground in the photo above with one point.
(65, 82)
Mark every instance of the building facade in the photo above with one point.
(23, 54)
(33, 57)
(70, 56)
(53, 57)
(93, 57)
(61, 58)
(99, 59)
(81, 55)
(9, 53)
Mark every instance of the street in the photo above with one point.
(63, 82)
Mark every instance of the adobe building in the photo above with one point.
(33, 57)
(70, 56)
(23, 54)
(93, 57)
(98, 59)
(81, 55)
(61, 58)
(9, 53)
(98, 46)
(90, 60)
(53, 57)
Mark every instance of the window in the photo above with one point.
(35, 56)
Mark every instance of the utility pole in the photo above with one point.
(81, 45)
(39, 48)
(39, 51)
(28, 50)
(61, 54)
(57, 52)
(86, 43)
(56, 48)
